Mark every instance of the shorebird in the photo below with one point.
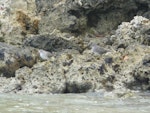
(44, 55)
(97, 49)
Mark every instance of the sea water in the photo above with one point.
(73, 103)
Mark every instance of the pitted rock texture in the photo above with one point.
(65, 29)
(17, 18)
(72, 72)
(27, 17)
(66, 73)
(80, 16)
(131, 41)
(137, 31)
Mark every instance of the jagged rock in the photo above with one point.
(141, 75)
(17, 18)
(42, 78)
(12, 58)
(71, 72)
(132, 44)
(64, 73)
(65, 28)
(80, 15)
(129, 67)
(136, 31)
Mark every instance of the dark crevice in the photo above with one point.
(77, 87)
(95, 16)
(76, 13)
(142, 7)
(138, 83)
(93, 19)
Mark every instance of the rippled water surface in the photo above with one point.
(73, 103)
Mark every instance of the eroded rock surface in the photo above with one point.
(123, 67)
(30, 17)
(17, 18)
(64, 31)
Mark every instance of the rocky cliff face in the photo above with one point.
(60, 34)
(22, 18)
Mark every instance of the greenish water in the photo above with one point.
(73, 103)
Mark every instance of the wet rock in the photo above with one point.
(75, 87)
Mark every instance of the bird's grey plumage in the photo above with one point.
(44, 55)
(97, 49)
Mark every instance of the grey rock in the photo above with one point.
(141, 75)
(12, 58)
(77, 16)
(50, 43)
(42, 78)
(71, 70)
(23, 18)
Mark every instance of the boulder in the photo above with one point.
(18, 19)
(12, 58)
(42, 78)
(132, 41)
(60, 32)
(79, 16)
(68, 72)
(135, 32)
(124, 67)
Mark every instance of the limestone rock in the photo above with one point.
(65, 28)
(17, 18)
(136, 31)
(42, 78)
(80, 15)
(65, 73)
